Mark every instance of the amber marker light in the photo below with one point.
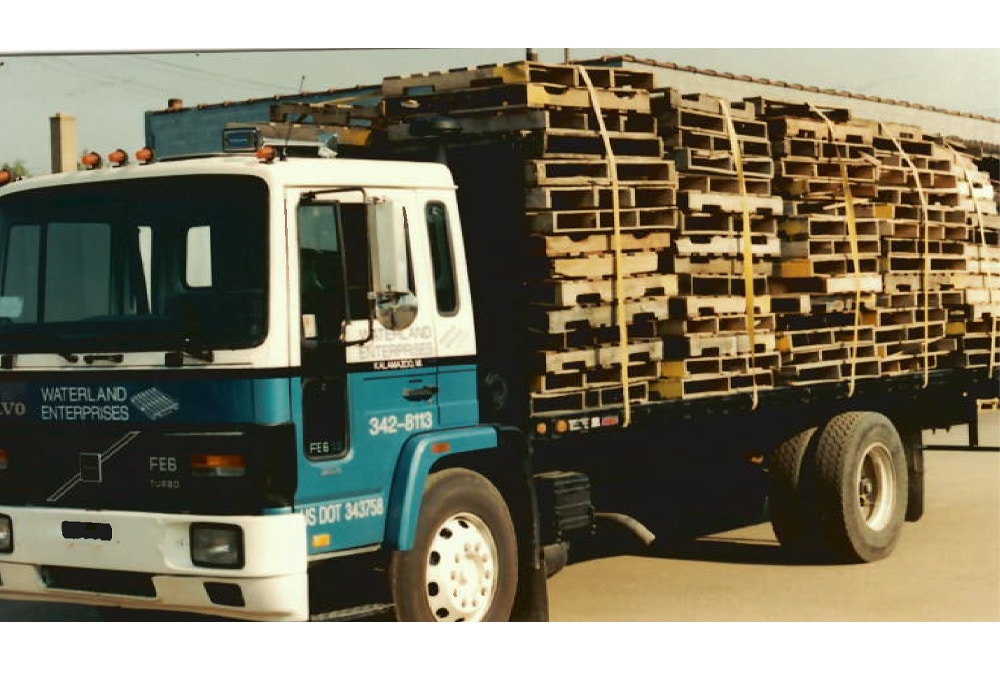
(441, 447)
(144, 155)
(6, 177)
(90, 160)
(562, 426)
(266, 153)
(118, 157)
(218, 465)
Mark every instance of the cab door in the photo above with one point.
(364, 388)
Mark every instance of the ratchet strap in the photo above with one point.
(985, 271)
(616, 240)
(748, 293)
(925, 223)
(852, 235)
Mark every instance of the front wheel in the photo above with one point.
(463, 565)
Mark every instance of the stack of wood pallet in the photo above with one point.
(917, 287)
(707, 338)
(569, 215)
(815, 285)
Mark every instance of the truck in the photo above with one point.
(399, 357)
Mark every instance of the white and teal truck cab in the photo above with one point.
(220, 374)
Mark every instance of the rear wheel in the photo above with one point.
(463, 565)
(790, 498)
(861, 486)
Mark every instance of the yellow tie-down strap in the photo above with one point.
(748, 292)
(852, 234)
(616, 240)
(925, 223)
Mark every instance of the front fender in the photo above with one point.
(419, 454)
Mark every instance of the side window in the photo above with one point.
(442, 261)
(334, 274)
(198, 268)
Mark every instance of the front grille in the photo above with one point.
(99, 581)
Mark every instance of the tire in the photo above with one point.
(861, 486)
(463, 565)
(790, 494)
(913, 445)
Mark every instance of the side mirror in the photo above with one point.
(395, 305)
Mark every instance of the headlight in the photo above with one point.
(6, 534)
(217, 545)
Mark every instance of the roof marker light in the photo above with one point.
(144, 155)
(90, 161)
(266, 153)
(118, 157)
(6, 177)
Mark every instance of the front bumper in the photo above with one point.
(146, 564)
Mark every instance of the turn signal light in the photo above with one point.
(91, 160)
(218, 465)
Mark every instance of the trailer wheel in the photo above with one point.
(790, 505)
(861, 486)
(463, 565)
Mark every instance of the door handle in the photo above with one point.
(420, 393)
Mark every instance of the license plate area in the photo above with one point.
(96, 531)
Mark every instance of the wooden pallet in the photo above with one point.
(721, 184)
(696, 306)
(508, 121)
(561, 320)
(718, 365)
(711, 386)
(667, 98)
(725, 223)
(715, 142)
(839, 266)
(762, 245)
(606, 356)
(514, 73)
(567, 293)
(581, 171)
(551, 144)
(721, 162)
(533, 95)
(709, 265)
(830, 247)
(827, 285)
(562, 245)
(583, 197)
(568, 221)
(582, 400)
(699, 201)
(598, 265)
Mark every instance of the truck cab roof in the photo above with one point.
(289, 173)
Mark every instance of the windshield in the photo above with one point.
(134, 265)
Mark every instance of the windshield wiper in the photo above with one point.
(44, 342)
(189, 348)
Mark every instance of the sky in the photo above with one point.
(108, 79)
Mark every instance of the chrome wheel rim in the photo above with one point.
(461, 574)
(876, 487)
